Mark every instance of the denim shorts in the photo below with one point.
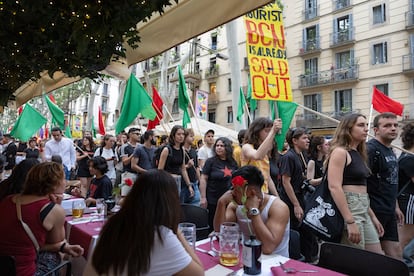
(358, 204)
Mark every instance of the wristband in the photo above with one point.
(350, 222)
(62, 247)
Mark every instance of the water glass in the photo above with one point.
(100, 208)
(189, 232)
(77, 208)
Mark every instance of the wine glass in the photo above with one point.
(100, 207)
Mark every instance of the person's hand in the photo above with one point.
(56, 198)
(354, 235)
(277, 125)
(298, 211)
(400, 216)
(378, 226)
(74, 250)
(191, 190)
(90, 201)
(203, 202)
(252, 202)
(190, 163)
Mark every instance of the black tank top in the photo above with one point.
(174, 162)
(357, 172)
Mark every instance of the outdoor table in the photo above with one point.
(270, 264)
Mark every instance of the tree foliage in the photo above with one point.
(76, 37)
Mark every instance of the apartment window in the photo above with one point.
(212, 116)
(343, 101)
(344, 59)
(311, 66)
(380, 53)
(383, 88)
(214, 41)
(229, 115)
(175, 106)
(105, 90)
(104, 105)
(197, 68)
(311, 38)
(313, 102)
(213, 88)
(379, 14)
(229, 84)
(311, 9)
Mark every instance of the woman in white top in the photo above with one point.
(107, 151)
(151, 204)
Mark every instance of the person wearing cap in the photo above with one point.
(142, 158)
(206, 151)
(127, 150)
(263, 215)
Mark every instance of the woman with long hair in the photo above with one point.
(148, 241)
(318, 149)
(83, 155)
(405, 174)
(172, 159)
(216, 176)
(259, 142)
(347, 179)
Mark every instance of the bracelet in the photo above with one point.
(62, 247)
(350, 222)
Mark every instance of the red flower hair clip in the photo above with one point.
(238, 181)
(129, 182)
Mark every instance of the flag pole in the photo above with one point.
(247, 109)
(369, 119)
(194, 114)
(337, 121)
(169, 114)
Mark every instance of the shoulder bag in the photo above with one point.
(321, 214)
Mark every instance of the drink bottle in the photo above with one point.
(252, 250)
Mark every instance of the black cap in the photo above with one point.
(209, 131)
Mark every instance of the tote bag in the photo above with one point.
(321, 214)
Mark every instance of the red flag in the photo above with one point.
(383, 103)
(20, 110)
(101, 126)
(157, 103)
(52, 98)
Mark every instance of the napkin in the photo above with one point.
(278, 271)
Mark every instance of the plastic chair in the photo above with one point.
(8, 266)
(354, 261)
(198, 216)
(294, 246)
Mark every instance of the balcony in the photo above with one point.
(340, 4)
(409, 20)
(315, 121)
(310, 13)
(342, 37)
(310, 46)
(212, 72)
(329, 77)
(408, 65)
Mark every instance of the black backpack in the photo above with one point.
(157, 155)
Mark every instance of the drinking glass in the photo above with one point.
(229, 243)
(189, 232)
(100, 208)
(77, 208)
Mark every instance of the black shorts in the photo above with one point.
(389, 222)
(406, 203)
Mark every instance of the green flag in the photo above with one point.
(252, 102)
(286, 112)
(58, 116)
(240, 106)
(136, 100)
(183, 99)
(68, 133)
(28, 123)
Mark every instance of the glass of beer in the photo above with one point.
(77, 208)
(229, 243)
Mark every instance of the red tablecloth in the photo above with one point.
(84, 233)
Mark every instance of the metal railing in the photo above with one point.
(408, 62)
(342, 36)
(329, 76)
(340, 4)
(310, 13)
(409, 19)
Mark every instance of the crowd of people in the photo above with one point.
(262, 189)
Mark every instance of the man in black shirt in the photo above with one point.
(382, 185)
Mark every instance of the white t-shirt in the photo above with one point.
(167, 258)
(108, 153)
(204, 152)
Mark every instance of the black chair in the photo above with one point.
(8, 267)
(198, 216)
(354, 261)
(294, 246)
